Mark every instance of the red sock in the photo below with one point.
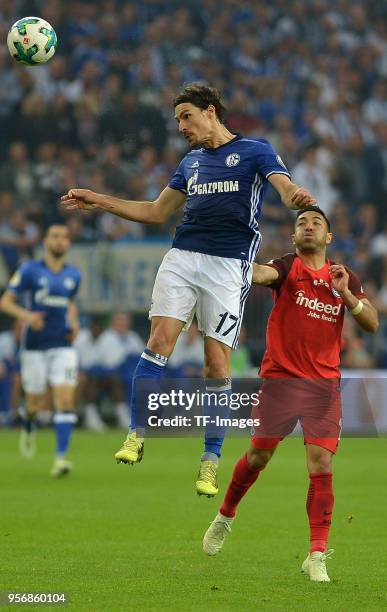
(242, 478)
(319, 506)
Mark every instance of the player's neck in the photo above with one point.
(220, 136)
(55, 264)
(316, 261)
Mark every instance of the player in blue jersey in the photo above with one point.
(47, 288)
(221, 181)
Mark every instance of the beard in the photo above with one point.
(309, 246)
(57, 254)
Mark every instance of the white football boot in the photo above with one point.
(314, 565)
(216, 534)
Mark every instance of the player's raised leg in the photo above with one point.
(220, 306)
(218, 383)
(164, 333)
(319, 507)
(246, 472)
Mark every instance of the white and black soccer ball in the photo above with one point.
(32, 41)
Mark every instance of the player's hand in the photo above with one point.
(81, 199)
(35, 320)
(73, 333)
(340, 278)
(302, 198)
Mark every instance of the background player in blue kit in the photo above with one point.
(50, 315)
(222, 181)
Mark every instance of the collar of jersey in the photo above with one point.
(213, 150)
(327, 261)
(43, 263)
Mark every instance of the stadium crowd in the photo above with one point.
(309, 76)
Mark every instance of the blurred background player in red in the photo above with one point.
(300, 369)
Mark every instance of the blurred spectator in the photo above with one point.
(117, 230)
(378, 244)
(311, 173)
(114, 168)
(343, 238)
(358, 172)
(375, 108)
(119, 348)
(46, 170)
(18, 236)
(79, 232)
(89, 386)
(354, 353)
(7, 361)
(17, 174)
(186, 360)
(107, 358)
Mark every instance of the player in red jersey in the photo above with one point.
(301, 376)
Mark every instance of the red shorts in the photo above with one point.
(315, 403)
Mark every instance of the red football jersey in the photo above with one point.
(304, 329)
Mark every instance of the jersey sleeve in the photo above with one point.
(354, 285)
(282, 265)
(178, 180)
(20, 281)
(268, 161)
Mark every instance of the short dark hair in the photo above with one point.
(49, 227)
(317, 210)
(202, 96)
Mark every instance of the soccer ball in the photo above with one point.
(32, 41)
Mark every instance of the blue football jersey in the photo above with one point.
(225, 188)
(50, 292)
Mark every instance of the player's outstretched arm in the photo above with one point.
(365, 314)
(9, 305)
(293, 196)
(155, 212)
(264, 275)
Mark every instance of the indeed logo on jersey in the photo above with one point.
(316, 306)
(214, 187)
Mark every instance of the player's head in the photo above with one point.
(312, 230)
(198, 109)
(57, 240)
(121, 322)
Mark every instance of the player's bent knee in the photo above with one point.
(35, 403)
(320, 467)
(216, 366)
(217, 363)
(66, 406)
(259, 458)
(216, 372)
(320, 462)
(160, 343)
(64, 398)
